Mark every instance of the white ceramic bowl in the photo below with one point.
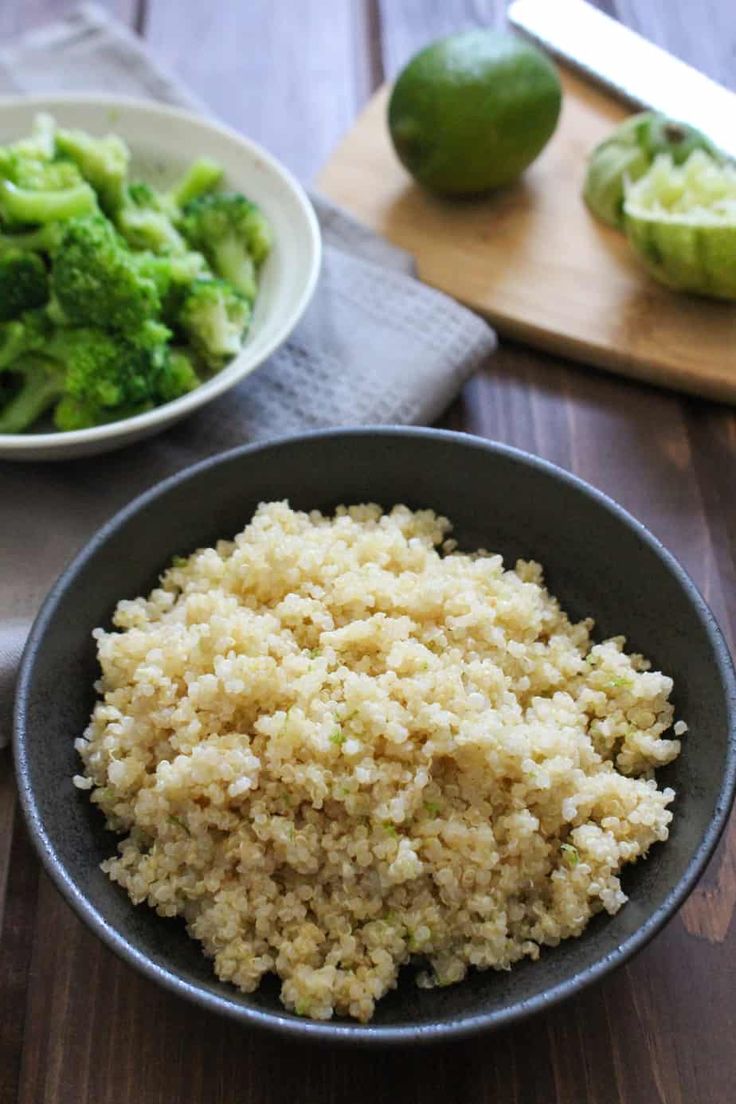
(164, 141)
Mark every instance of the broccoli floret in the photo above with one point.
(35, 174)
(233, 235)
(103, 162)
(144, 221)
(41, 142)
(108, 377)
(28, 334)
(173, 276)
(24, 283)
(35, 188)
(178, 376)
(202, 177)
(214, 317)
(96, 280)
(36, 384)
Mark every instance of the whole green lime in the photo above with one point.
(472, 111)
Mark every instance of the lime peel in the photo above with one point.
(681, 222)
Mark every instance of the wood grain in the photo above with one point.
(78, 1027)
(533, 260)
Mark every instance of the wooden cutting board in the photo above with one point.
(534, 261)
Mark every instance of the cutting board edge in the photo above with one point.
(657, 375)
(645, 365)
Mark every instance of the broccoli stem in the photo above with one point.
(41, 387)
(200, 178)
(234, 263)
(43, 240)
(22, 205)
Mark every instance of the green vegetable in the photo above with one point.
(103, 162)
(233, 235)
(22, 205)
(114, 296)
(97, 282)
(145, 222)
(214, 317)
(24, 283)
(39, 385)
(202, 177)
(44, 239)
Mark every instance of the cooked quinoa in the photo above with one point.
(335, 744)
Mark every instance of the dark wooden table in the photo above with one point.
(77, 1026)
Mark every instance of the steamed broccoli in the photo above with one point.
(24, 283)
(103, 162)
(202, 177)
(27, 334)
(36, 188)
(98, 274)
(44, 239)
(233, 235)
(92, 375)
(35, 385)
(96, 281)
(144, 220)
(109, 378)
(40, 145)
(214, 317)
(21, 206)
(178, 376)
(173, 276)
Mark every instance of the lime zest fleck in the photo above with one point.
(338, 737)
(432, 807)
(314, 653)
(391, 829)
(570, 854)
(179, 561)
(619, 680)
(179, 823)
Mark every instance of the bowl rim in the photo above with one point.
(231, 374)
(340, 1032)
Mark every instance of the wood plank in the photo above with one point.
(292, 81)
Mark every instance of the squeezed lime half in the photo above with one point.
(681, 221)
(627, 153)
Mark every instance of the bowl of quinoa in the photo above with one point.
(353, 763)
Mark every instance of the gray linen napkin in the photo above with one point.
(374, 346)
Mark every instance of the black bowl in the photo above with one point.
(598, 560)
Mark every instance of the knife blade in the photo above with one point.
(642, 74)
